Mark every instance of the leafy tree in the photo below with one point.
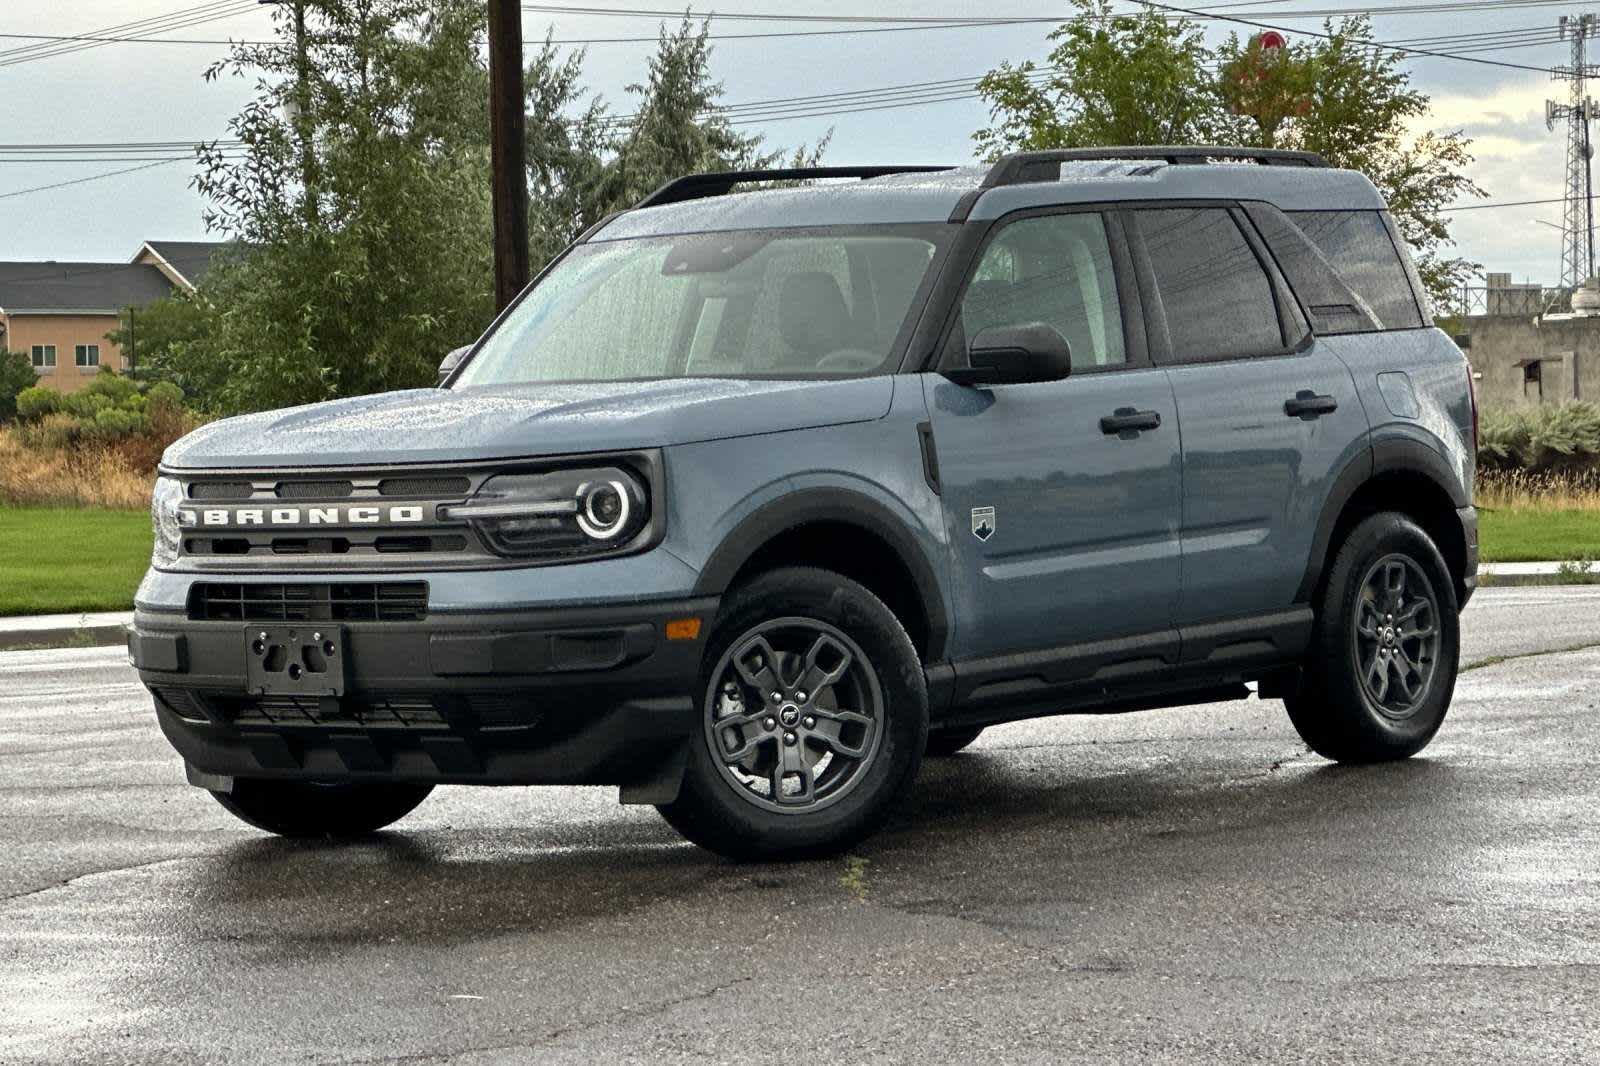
(170, 340)
(362, 196)
(1111, 78)
(16, 374)
(1146, 79)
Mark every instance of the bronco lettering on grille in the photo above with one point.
(290, 517)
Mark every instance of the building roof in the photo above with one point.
(932, 197)
(188, 259)
(64, 288)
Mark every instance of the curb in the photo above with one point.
(45, 632)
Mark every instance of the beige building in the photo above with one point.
(59, 314)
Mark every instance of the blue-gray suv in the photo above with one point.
(754, 498)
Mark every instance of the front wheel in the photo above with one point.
(1382, 663)
(308, 809)
(813, 719)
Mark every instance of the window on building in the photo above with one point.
(44, 356)
(1358, 245)
(88, 355)
(1218, 300)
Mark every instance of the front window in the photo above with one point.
(832, 302)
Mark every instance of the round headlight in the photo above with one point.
(603, 509)
(165, 499)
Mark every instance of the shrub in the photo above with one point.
(37, 401)
(1540, 439)
(16, 375)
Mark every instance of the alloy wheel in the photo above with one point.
(794, 715)
(1396, 635)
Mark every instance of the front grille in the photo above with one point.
(405, 601)
(221, 490)
(341, 543)
(425, 488)
(313, 490)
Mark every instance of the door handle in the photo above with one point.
(1307, 405)
(1126, 419)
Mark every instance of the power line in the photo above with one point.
(91, 177)
(130, 31)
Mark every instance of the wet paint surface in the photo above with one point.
(1183, 885)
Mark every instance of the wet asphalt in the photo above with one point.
(1186, 885)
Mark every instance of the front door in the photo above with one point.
(1061, 498)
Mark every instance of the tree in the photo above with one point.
(363, 267)
(1111, 78)
(1146, 79)
(172, 335)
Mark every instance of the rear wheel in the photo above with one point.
(813, 718)
(946, 742)
(308, 809)
(1382, 664)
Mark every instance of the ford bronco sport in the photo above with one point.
(753, 498)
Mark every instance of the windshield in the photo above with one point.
(772, 303)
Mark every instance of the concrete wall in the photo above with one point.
(66, 332)
(1568, 351)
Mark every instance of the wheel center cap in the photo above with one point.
(789, 714)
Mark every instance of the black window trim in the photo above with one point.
(1134, 343)
(1292, 325)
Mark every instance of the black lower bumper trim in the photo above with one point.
(585, 696)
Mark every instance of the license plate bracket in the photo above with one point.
(298, 660)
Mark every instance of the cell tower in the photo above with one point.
(1577, 221)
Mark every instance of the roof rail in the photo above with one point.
(1022, 167)
(699, 186)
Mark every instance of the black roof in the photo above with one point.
(66, 287)
(189, 258)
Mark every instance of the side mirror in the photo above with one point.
(1014, 355)
(451, 361)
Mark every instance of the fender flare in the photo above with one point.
(1384, 457)
(830, 505)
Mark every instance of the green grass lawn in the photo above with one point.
(1525, 534)
(58, 560)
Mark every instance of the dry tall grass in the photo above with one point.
(79, 477)
(1567, 490)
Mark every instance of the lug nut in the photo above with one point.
(777, 697)
(789, 738)
(811, 723)
(770, 724)
(800, 697)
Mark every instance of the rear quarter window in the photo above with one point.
(1358, 245)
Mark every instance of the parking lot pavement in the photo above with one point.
(1185, 885)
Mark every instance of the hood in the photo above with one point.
(516, 421)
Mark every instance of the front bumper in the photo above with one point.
(586, 695)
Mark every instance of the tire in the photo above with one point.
(756, 785)
(943, 743)
(302, 809)
(1375, 687)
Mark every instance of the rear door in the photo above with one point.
(1269, 416)
(1062, 525)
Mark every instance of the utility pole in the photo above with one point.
(508, 154)
(1577, 220)
(301, 118)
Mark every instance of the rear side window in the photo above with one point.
(1358, 245)
(1331, 304)
(1216, 294)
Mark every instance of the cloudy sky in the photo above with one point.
(146, 92)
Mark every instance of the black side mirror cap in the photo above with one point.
(1014, 355)
(447, 366)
